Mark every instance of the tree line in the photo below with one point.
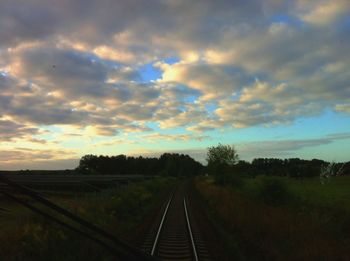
(168, 164)
(222, 159)
(293, 167)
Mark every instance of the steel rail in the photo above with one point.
(190, 232)
(161, 243)
(161, 226)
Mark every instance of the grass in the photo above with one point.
(313, 225)
(27, 236)
(335, 193)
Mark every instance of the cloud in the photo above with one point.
(174, 137)
(26, 20)
(203, 127)
(5, 82)
(322, 12)
(65, 86)
(286, 148)
(39, 110)
(283, 145)
(41, 164)
(270, 104)
(210, 79)
(113, 142)
(183, 118)
(239, 64)
(11, 130)
(343, 107)
(73, 72)
(24, 154)
(268, 148)
(107, 52)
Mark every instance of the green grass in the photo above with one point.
(27, 236)
(309, 191)
(311, 224)
(335, 193)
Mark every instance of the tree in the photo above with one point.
(221, 160)
(88, 164)
(170, 164)
(329, 170)
(222, 154)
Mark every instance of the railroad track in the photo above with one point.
(176, 236)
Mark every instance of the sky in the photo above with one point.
(145, 77)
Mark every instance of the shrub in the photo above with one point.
(256, 231)
(229, 178)
(273, 191)
(221, 161)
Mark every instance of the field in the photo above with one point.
(293, 220)
(25, 235)
(52, 181)
(333, 194)
(262, 218)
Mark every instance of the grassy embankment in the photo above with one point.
(27, 236)
(309, 221)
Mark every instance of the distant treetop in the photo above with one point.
(222, 154)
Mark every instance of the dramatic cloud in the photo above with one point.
(286, 148)
(11, 130)
(109, 68)
(322, 12)
(267, 148)
(26, 20)
(23, 154)
(177, 137)
(211, 80)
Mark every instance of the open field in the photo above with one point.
(269, 218)
(27, 236)
(72, 182)
(312, 223)
(335, 193)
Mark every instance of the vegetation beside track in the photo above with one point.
(310, 223)
(27, 236)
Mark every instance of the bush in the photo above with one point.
(274, 191)
(253, 230)
(229, 177)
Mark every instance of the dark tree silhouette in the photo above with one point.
(169, 164)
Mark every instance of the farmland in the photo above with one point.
(116, 208)
(309, 222)
(52, 181)
(253, 210)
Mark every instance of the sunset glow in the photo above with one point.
(144, 77)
